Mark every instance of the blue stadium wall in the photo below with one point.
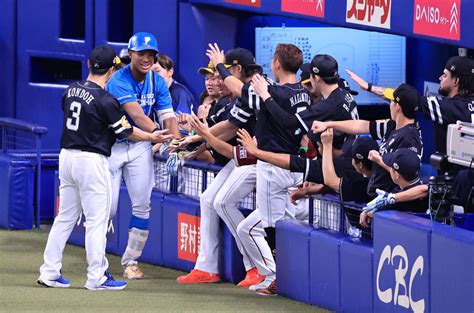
(44, 45)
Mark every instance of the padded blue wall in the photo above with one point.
(7, 55)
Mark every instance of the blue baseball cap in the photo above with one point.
(405, 161)
(362, 146)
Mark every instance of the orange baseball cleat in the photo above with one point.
(251, 278)
(198, 277)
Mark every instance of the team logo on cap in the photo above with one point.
(453, 68)
(96, 65)
(359, 156)
(315, 70)
(396, 166)
(147, 40)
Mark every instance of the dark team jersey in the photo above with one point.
(354, 188)
(92, 119)
(418, 205)
(243, 116)
(444, 111)
(220, 111)
(339, 106)
(271, 134)
(182, 99)
(408, 136)
(313, 169)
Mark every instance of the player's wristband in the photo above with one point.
(223, 71)
(369, 87)
(154, 130)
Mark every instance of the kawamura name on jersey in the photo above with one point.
(92, 119)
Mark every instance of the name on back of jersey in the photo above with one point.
(80, 93)
(300, 97)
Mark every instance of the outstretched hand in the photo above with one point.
(200, 127)
(358, 80)
(215, 54)
(159, 136)
(249, 143)
(319, 127)
(260, 85)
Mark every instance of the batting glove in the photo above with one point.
(382, 200)
(172, 164)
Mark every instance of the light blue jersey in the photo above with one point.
(152, 95)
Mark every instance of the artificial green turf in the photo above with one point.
(21, 254)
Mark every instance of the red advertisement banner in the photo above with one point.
(305, 7)
(189, 237)
(252, 3)
(438, 18)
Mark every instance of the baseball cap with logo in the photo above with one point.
(322, 65)
(362, 146)
(460, 65)
(209, 69)
(345, 85)
(407, 97)
(304, 78)
(103, 57)
(240, 56)
(405, 161)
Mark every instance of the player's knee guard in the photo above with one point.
(271, 238)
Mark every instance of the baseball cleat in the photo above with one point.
(198, 277)
(109, 284)
(61, 282)
(251, 278)
(271, 290)
(264, 284)
(132, 271)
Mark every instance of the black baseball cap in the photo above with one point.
(405, 161)
(407, 97)
(345, 85)
(460, 65)
(103, 57)
(362, 146)
(304, 78)
(240, 56)
(209, 69)
(124, 56)
(322, 65)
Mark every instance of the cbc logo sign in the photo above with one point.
(401, 294)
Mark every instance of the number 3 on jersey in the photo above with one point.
(72, 122)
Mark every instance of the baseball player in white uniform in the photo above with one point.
(140, 92)
(92, 122)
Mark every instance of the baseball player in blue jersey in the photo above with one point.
(92, 122)
(141, 93)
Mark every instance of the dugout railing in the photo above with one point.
(324, 211)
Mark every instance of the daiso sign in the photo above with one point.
(438, 18)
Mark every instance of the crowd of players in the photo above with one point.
(286, 139)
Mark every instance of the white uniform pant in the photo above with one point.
(134, 162)
(85, 187)
(221, 199)
(273, 204)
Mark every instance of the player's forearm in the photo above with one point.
(172, 126)
(224, 127)
(219, 145)
(329, 173)
(286, 120)
(278, 159)
(139, 135)
(414, 193)
(144, 122)
(234, 85)
(353, 127)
